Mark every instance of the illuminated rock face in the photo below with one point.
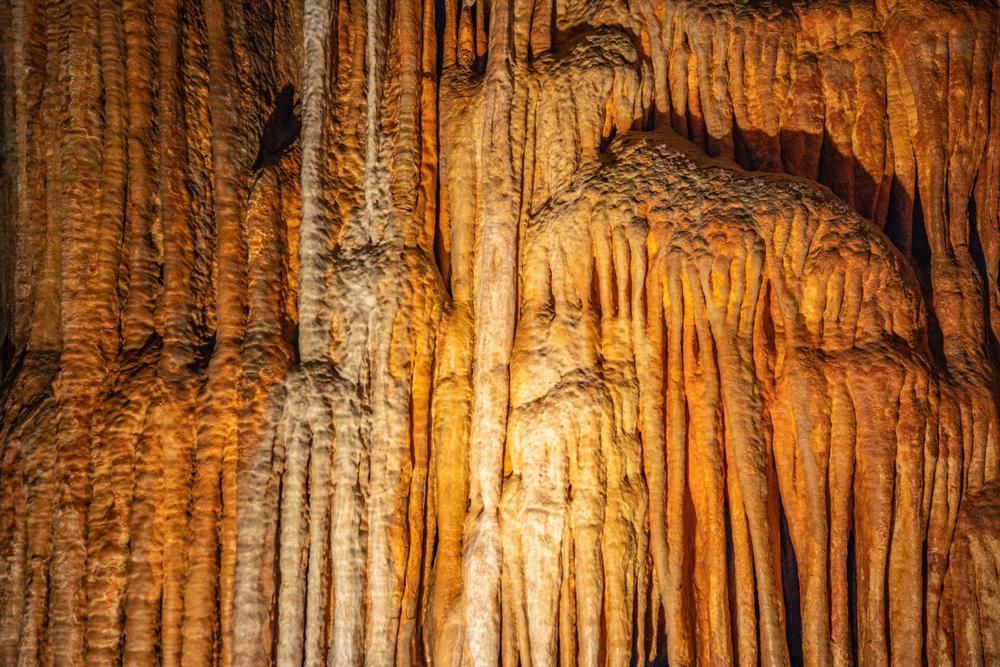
(506, 359)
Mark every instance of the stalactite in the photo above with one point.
(506, 359)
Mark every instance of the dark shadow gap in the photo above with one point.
(606, 141)
(790, 588)
(897, 227)
(979, 259)
(440, 13)
(852, 595)
(920, 256)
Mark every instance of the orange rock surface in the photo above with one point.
(585, 333)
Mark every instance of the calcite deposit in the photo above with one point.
(481, 332)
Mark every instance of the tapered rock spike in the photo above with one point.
(588, 332)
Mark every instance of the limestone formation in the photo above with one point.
(479, 332)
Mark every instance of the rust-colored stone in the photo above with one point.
(574, 333)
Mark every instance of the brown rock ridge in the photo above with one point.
(507, 360)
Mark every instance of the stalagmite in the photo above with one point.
(492, 332)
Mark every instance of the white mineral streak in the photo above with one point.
(493, 296)
(303, 598)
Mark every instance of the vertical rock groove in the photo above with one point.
(547, 333)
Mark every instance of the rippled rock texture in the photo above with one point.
(586, 332)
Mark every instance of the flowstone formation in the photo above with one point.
(500, 332)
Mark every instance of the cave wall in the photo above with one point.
(567, 333)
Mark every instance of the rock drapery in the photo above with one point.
(568, 333)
